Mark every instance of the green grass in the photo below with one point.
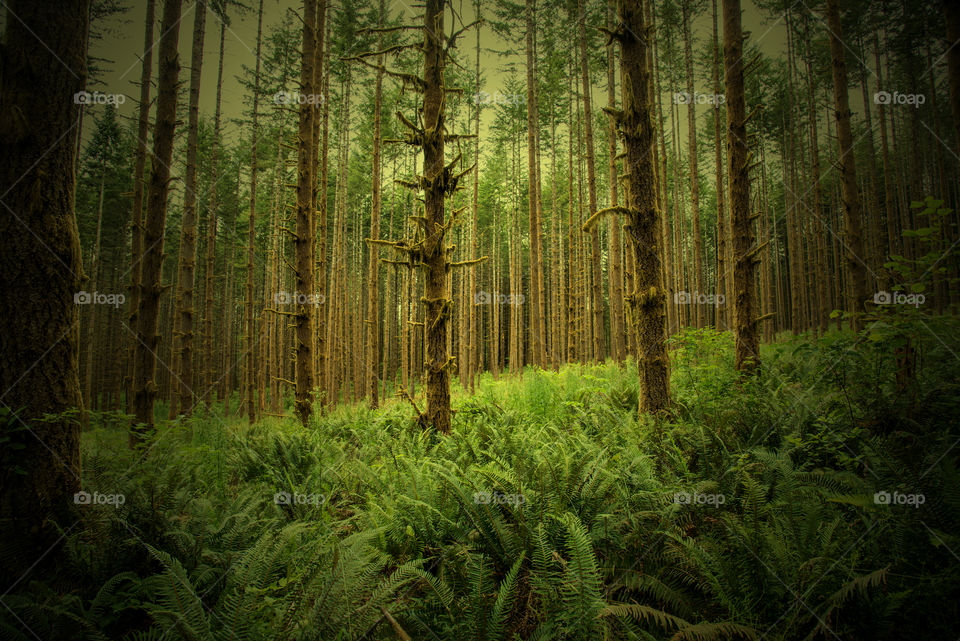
(552, 512)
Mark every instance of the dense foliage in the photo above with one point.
(757, 511)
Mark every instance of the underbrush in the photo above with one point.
(816, 500)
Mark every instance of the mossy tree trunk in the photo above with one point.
(634, 123)
(42, 68)
(746, 341)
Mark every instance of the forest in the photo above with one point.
(489, 320)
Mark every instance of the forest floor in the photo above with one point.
(817, 499)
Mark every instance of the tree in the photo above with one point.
(853, 241)
(373, 276)
(187, 256)
(596, 290)
(248, 350)
(688, 9)
(42, 69)
(303, 240)
(746, 341)
(136, 214)
(211, 255)
(428, 249)
(145, 362)
(537, 319)
(634, 122)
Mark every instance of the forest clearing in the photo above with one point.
(479, 319)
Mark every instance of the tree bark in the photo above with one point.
(537, 321)
(42, 68)
(699, 317)
(373, 300)
(599, 349)
(183, 399)
(648, 299)
(747, 345)
(303, 269)
(148, 341)
(136, 225)
(211, 256)
(618, 330)
(854, 256)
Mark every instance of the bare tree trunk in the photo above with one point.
(136, 224)
(618, 330)
(698, 280)
(599, 349)
(747, 344)
(723, 250)
(822, 233)
(851, 200)
(437, 177)
(635, 123)
(248, 348)
(537, 321)
(473, 365)
(182, 399)
(373, 300)
(306, 158)
(208, 338)
(145, 365)
(320, 249)
(93, 283)
(42, 68)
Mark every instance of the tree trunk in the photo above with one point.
(635, 123)
(41, 70)
(320, 250)
(136, 225)
(747, 345)
(599, 349)
(92, 284)
(182, 401)
(698, 280)
(723, 262)
(211, 256)
(145, 364)
(618, 330)
(537, 321)
(303, 315)
(856, 271)
(373, 300)
(250, 323)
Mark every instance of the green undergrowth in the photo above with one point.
(755, 511)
